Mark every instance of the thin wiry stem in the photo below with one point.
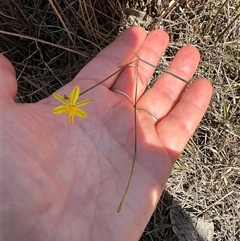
(165, 71)
(135, 140)
(102, 81)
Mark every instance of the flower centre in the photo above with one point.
(71, 110)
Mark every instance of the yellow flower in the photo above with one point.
(71, 107)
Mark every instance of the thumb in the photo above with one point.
(8, 82)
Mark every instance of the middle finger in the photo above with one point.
(166, 92)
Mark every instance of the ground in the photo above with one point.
(49, 42)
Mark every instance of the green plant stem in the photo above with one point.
(102, 81)
(135, 141)
(165, 71)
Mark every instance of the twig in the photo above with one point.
(43, 41)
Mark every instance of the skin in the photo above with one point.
(64, 182)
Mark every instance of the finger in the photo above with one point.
(177, 127)
(151, 51)
(165, 93)
(8, 82)
(116, 54)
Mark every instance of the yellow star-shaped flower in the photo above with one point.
(71, 107)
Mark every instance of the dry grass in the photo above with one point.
(49, 42)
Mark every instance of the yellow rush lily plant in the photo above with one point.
(71, 108)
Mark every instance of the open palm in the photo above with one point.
(65, 182)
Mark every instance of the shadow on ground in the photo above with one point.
(170, 222)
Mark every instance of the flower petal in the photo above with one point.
(81, 113)
(60, 109)
(60, 98)
(83, 102)
(74, 94)
(71, 118)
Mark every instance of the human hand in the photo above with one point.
(64, 182)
